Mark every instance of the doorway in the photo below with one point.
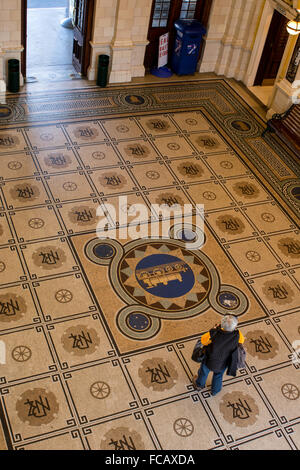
(56, 35)
(163, 15)
(273, 51)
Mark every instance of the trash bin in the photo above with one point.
(13, 75)
(103, 62)
(188, 39)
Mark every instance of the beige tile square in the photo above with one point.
(98, 156)
(124, 128)
(173, 146)
(80, 341)
(63, 297)
(138, 150)
(282, 389)
(158, 124)
(69, 187)
(57, 161)
(100, 391)
(208, 142)
(268, 218)
(192, 121)
(64, 441)
(152, 175)
(230, 225)
(27, 354)
(168, 197)
(86, 132)
(112, 181)
(48, 258)
(241, 411)
(191, 170)
(157, 375)
(128, 432)
(177, 427)
(11, 141)
(25, 193)
(269, 441)
(264, 347)
(212, 195)
(36, 407)
(277, 291)
(226, 165)
(46, 136)
(11, 268)
(79, 216)
(246, 190)
(17, 307)
(18, 166)
(252, 257)
(287, 247)
(34, 224)
(290, 326)
(6, 235)
(127, 208)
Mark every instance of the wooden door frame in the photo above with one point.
(24, 36)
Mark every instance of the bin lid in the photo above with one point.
(190, 26)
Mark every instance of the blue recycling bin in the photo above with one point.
(188, 39)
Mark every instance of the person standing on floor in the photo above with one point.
(221, 353)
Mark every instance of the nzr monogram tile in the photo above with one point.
(230, 225)
(246, 190)
(85, 132)
(80, 216)
(79, 341)
(287, 246)
(208, 142)
(16, 307)
(191, 170)
(56, 161)
(137, 150)
(11, 141)
(24, 193)
(48, 258)
(158, 125)
(112, 180)
(36, 407)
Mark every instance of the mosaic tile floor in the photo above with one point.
(99, 332)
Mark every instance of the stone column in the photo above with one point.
(122, 44)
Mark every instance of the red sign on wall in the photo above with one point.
(163, 50)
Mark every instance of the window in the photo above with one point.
(161, 13)
(188, 9)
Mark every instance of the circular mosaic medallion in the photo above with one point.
(134, 99)
(295, 192)
(153, 175)
(5, 111)
(226, 165)
(69, 186)
(37, 406)
(267, 217)
(253, 256)
(47, 136)
(173, 146)
(228, 300)
(191, 122)
(242, 126)
(138, 321)
(104, 250)
(209, 195)
(122, 129)
(164, 276)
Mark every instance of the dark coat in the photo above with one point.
(222, 352)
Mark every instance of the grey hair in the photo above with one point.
(229, 322)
